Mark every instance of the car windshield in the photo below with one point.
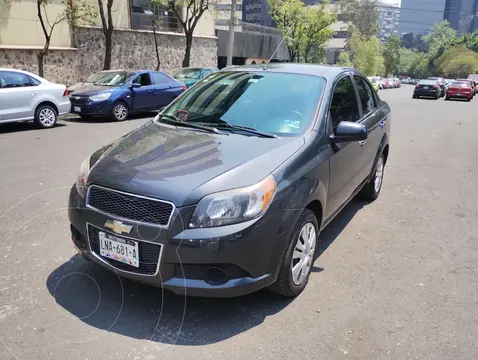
(191, 74)
(278, 103)
(116, 78)
(95, 77)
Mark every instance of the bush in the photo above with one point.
(458, 62)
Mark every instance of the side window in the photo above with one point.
(159, 78)
(11, 79)
(206, 72)
(344, 103)
(366, 95)
(143, 79)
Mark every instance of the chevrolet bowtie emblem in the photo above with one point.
(118, 227)
(77, 98)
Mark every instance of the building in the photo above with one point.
(389, 17)
(75, 54)
(418, 16)
(462, 15)
(223, 15)
(257, 12)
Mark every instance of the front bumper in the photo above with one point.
(101, 108)
(246, 256)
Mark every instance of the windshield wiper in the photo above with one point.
(171, 119)
(226, 126)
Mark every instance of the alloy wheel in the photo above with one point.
(303, 254)
(378, 175)
(47, 117)
(120, 112)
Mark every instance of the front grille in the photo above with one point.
(148, 255)
(129, 206)
(79, 100)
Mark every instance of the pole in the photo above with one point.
(230, 40)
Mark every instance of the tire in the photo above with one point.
(437, 97)
(287, 283)
(120, 111)
(468, 100)
(45, 117)
(414, 96)
(371, 191)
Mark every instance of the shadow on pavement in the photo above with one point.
(96, 120)
(23, 126)
(107, 302)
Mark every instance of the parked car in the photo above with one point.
(448, 82)
(472, 84)
(460, 90)
(384, 83)
(375, 81)
(120, 93)
(226, 190)
(474, 77)
(25, 96)
(391, 84)
(427, 88)
(189, 76)
(91, 80)
(441, 82)
(397, 83)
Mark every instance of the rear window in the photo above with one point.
(460, 84)
(280, 103)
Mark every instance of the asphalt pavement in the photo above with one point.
(395, 279)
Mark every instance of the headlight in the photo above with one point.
(100, 97)
(83, 177)
(234, 206)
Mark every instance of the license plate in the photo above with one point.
(77, 108)
(458, 94)
(119, 249)
(425, 87)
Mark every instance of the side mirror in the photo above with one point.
(348, 131)
(135, 85)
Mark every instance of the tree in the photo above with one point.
(441, 36)
(391, 55)
(407, 57)
(458, 62)
(73, 13)
(470, 40)
(365, 53)
(344, 59)
(107, 24)
(362, 16)
(289, 17)
(316, 30)
(188, 13)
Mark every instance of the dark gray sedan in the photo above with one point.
(227, 190)
(427, 88)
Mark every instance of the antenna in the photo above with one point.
(275, 51)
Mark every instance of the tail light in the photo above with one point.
(185, 87)
(65, 93)
(417, 86)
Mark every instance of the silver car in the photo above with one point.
(25, 96)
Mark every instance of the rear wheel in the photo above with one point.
(297, 263)
(45, 117)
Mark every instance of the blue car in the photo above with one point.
(120, 93)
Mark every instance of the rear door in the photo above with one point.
(17, 96)
(162, 90)
(374, 120)
(345, 169)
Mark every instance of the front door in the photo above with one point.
(162, 90)
(143, 97)
(17, 92)
(345, 170)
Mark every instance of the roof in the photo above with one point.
(326, 71)
(428, 81)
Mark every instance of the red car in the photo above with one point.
(472, 84)
(461, 90)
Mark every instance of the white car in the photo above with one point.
(25, 96)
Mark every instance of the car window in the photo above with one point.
(13, 79)
(143, 79)
(366, 95)
(279, 103)
(206, 72)
(114, 78)
(159, 78)
(344, 102)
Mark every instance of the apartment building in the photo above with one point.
(389, 17)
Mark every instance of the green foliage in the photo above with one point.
(391, 55)
(469, 40)
(305, 29)
(344, 59)
(365, 53)
(441, 36)
(458, 62)
(362, 15)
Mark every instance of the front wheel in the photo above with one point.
(371, 191)
(297, 263)
(119, 111)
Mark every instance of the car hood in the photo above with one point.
(78, 85)
(90, 89)
(183, 165)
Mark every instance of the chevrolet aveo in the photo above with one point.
(227, 189)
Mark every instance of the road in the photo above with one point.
(395, 279)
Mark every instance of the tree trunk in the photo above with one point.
(230, 40)
(40, 57)
(187, 52)
(108, 48)
(158, 62)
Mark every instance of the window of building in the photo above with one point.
(144, 14)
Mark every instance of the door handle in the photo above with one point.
(362, 143)
(382, 123)
(150, 91)
(32, 93)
